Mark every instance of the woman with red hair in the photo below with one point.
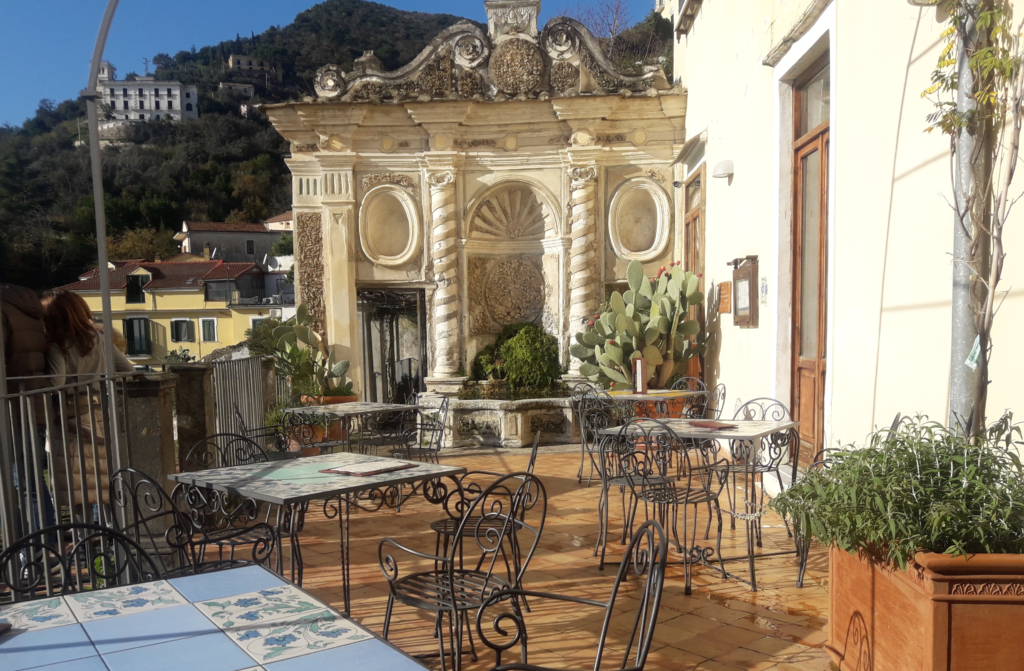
(75, 356)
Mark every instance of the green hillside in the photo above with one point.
(220, 166)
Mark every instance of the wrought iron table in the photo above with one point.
(746, 445)
(243, 618)
(292, 485)
(348, 413)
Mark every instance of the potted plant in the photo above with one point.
(648, 321)
(302, 354)
(926, 528)
(275, 419)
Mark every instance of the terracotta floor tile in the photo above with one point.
(722, 619)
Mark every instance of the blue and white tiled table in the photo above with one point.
(245, 619)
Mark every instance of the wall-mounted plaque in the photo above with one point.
(745, 290)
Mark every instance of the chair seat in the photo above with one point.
(414, 452)
(676, 496)
(247, 538)
(435, 590)
(625, 481)
(449, 525)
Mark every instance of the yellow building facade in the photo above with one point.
(201, 306)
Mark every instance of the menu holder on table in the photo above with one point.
(711, 424)
(368, 468)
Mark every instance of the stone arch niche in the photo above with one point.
(639, 220)
(513, 260)
(389, 226)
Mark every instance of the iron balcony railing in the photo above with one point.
(58, 445)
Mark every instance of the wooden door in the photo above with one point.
(693, 252)
(810, 256)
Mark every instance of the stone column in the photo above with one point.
(149, 418)
(446, 267)
(197, 417)
(584, 273)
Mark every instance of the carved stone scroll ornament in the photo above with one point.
(309, 258)
(329, 82)
(377, 178)
(446, 261)
(584, 276)
(471, 51)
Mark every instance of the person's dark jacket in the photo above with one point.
(24, 338)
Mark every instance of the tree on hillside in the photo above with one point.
(143, 243)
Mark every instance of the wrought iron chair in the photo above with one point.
(460, 500)
(514, 507)
(615, 412)
(754, 461)
(607, 455)
(177, 537)
(647, 451)
(68, 558)
(429, 430)
(576, 398)
(271, 437)
(693, 407)
(645, 557)
(716, 402)
(221, 515)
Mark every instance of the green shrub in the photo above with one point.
(531, 358)
(489, 363)
(923, 487)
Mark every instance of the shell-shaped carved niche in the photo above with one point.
(511, 212)
(389, 226)
(639, 219)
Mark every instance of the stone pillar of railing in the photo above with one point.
(149, 424)
(584, 274)
(446, 297)
(197, 417)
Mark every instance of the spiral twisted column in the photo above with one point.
(446, 262)
(584, 275)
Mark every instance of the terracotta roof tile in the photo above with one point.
(180, 275)
(284, 216)
(225, 227)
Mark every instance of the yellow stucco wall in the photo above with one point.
(890, 227)
(161, 308)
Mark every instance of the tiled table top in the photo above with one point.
(351, 409)
(745, 429)
(243, 619)
(297, 480)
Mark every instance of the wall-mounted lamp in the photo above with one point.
(723, 169)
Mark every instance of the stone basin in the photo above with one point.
(476, 423)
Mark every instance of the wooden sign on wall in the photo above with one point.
(725, 298)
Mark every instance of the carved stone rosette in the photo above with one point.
(309, 258)
(583, 270)
(446, 262)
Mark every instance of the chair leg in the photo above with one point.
(707, 531)
(732, 501)
(785, 520)
(387, 615)
(718, 544)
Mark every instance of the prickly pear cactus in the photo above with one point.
(647, 321)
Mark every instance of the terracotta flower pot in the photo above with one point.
(310, 451)
(944, 612)
(327, 400)
(297, 442)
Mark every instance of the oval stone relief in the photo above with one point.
(514, 292)
(389, 229)
(639, 220)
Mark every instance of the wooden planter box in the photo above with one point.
(946, 613)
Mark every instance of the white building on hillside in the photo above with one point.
(145, 98)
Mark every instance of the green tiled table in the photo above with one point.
(242, 619)
(294, 483)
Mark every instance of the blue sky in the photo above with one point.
(45, 45)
